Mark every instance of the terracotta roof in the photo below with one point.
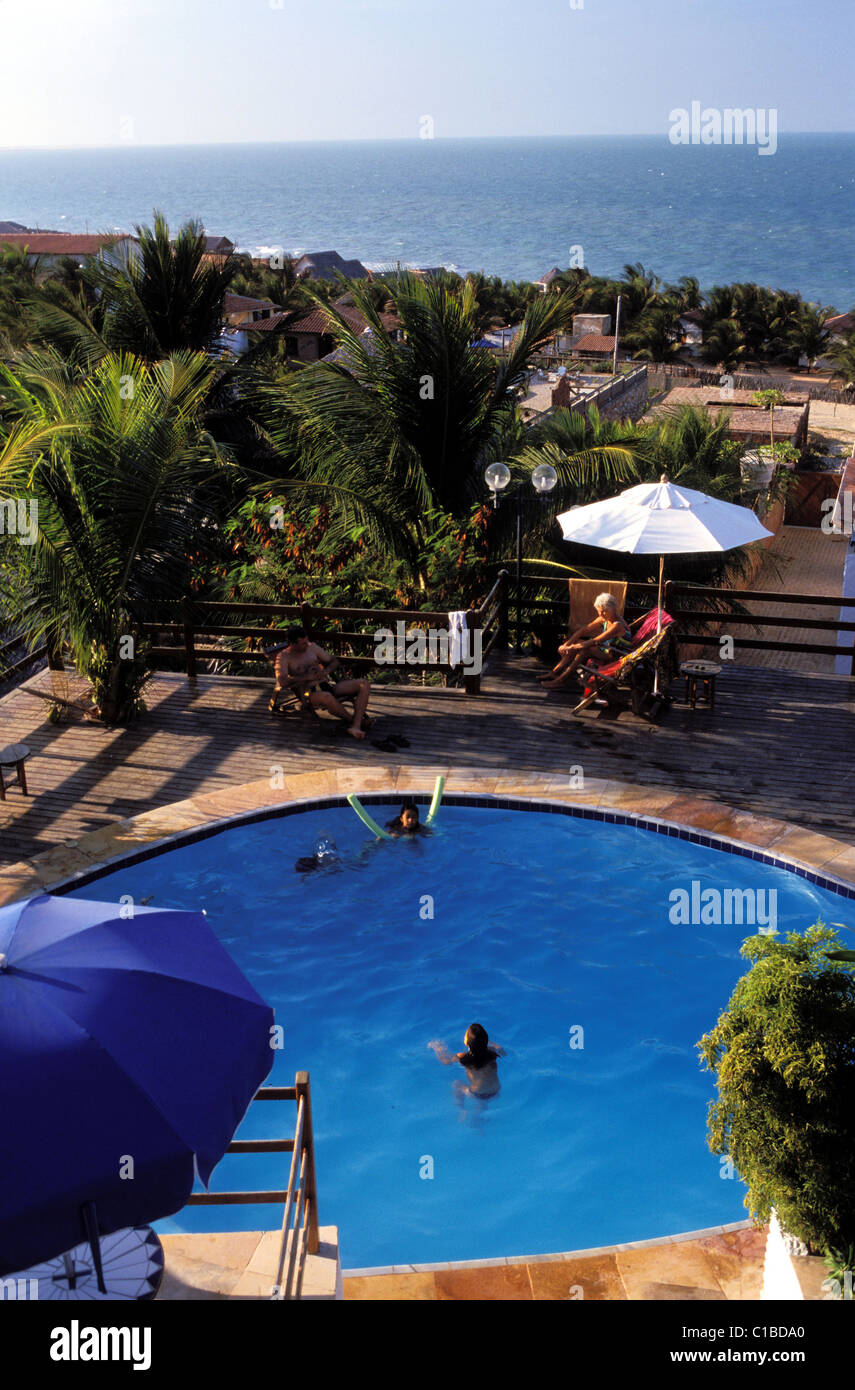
(693, 316)
(271, 325)
(593, 342)
(317, 322)
(62, 243)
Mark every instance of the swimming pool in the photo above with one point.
(553, 931)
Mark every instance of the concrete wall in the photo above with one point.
(622, 397)
(591, 323)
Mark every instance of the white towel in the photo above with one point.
(458, 646)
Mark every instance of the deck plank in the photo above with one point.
(778, 743)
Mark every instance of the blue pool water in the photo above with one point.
(541, 924)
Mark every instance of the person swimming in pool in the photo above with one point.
(325, 854)
(407, 822)
(479, 1061)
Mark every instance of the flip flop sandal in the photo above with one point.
(399, 740)
(385, 745)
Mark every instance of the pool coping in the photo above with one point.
(822, 860)
(706, 1233)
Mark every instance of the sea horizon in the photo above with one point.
(509, 205)
(373, 140)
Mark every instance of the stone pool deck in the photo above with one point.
(98, 849)
(721, 1265)
(777, 743)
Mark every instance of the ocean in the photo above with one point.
(511, 207)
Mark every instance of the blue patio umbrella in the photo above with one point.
(130, 1049)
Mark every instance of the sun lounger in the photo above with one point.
(634, 674)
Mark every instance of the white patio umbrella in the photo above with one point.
(662, 519)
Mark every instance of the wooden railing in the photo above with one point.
(680, 601)
(8, 672)
(299, 1199)
(192, 634)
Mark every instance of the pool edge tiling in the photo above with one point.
(818, 858)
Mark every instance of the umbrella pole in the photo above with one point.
(90, 1223)
(658, 623)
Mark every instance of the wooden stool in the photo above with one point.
(14, 755)
(700, 682)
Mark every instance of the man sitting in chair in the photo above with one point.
(303, 666)
(600, 642)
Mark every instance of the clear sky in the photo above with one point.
(102, 72)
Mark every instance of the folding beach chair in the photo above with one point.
(634, 675)
(288, 699)
(293, 699)
(582, 593)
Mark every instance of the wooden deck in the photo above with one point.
(802, 560)
(778, 743)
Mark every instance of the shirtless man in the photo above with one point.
(304, 665)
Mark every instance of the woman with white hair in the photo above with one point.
(600, 642)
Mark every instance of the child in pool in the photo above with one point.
(325, 854)
(479, 1060)
(407, 822)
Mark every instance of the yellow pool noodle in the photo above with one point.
(366, 819)
(437, 798)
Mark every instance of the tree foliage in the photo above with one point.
(120, 470)
(784, 1057)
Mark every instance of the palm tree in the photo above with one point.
(809, 336)
(167, 299)
(720, 303)
(694, 448)
(686, 294)
(841, 355)
(724, 345)
(753, 307)
(401, 431)
(640, 290)
(18, 281)
(784, 312)
(118, 467)
(656, 335)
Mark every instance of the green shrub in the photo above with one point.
(784, 1055)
